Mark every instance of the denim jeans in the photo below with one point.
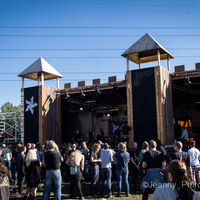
(52, 177)
(152, 177)
(95, 179)
(8, 164)
(106, 174)
(122, 175)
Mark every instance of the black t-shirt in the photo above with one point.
(153, 158)
(52, 160)
(133, 154)
(182, 156)
(19, 161)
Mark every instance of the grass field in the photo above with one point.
(65, 193)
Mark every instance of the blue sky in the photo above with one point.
(174, 24)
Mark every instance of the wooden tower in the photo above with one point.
(38, 121)
(149, 100)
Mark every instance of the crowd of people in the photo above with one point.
(151, 169)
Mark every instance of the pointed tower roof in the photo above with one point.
(145, 50)
(41, 65)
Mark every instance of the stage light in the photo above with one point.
(187, 81)
(98, 92)
(82, 94)
(108, 115)
(67, 96)
(81, 108)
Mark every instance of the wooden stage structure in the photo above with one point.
(144, 99)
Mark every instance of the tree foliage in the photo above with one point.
(9, 107)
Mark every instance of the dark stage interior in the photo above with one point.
(186, 105)
(92, 108)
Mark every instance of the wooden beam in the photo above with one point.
(158, 54)
(127, 64)
(168, 64)
(22, 82)
(130, 106)
(139, 64)
(42, 78)
(58, 83)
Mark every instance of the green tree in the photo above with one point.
(9, 107)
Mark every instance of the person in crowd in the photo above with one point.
(184, 137)
(194, 154)
(145, 148)
(39, 153)
(52, 163)
(77, 137)
(33, 146)
(134, 167)
(179, 187)
(76, 163)
(15, 152)
(122, 157)
(160, 147)
(65, 156)
(4, 183)
(91, 135)
(7, 156)
(19, 163)
(182, 156)
(100, 134)
(95, 162)
(1, 158)
(106, 156)
(153, 162)
(28, 147)
(86, 152)
(32, 174)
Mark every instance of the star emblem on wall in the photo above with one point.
(30, 105)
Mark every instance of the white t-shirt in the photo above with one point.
(106, 156)
(7, 154)
(194, 155)
(167, 192)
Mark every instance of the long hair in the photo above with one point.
(180, 179)
(122, 147)
(31, 156)
(84, 145)
(96, 147)
(3, 170)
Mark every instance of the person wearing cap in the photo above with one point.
(52, 162)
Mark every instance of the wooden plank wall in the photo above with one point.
(49, 117)
(130, 106)
(164, 105)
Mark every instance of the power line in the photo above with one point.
(97, 27)
(64, 35)
(72, 72)
(111, 49)
(85, 57)
(11, 80)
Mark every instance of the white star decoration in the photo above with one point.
(30, 105)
